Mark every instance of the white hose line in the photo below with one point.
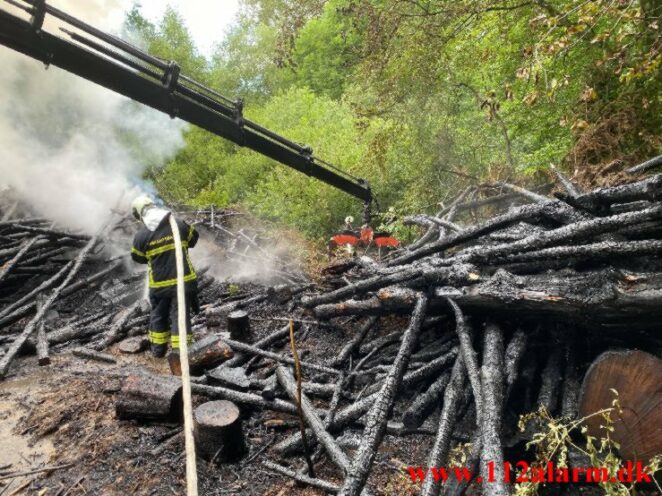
(191, 469)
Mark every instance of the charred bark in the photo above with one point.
(353, 344)
(25, 247)
(468, 357)
(239, 326)
(571, 384)
(114, 334)
(303, 479)
(441, 446)
(243, 398)
(42, 342)
(645, 166)
(218, 432)
(513, 357)
(519, 214)
(93, 355)
(270, 389)
(236, 345)
(415, 415)
(312, 419)
(492, 382)
(241, 358)
(149, 397)
(6, 360)
(551, 379)
(379, 413)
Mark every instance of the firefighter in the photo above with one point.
(154, 245)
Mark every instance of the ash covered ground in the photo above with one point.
(417, 359)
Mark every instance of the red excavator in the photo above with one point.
(121, 67)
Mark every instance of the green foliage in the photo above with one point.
(271, 190)
(420, 98)
(243, 65)
(170, 40)
(554, 439)
(323, 54)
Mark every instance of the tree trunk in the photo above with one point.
(380, 411)
(239, 326)
(218, 432)
(312, 419)
(150, 397)
(203, 355)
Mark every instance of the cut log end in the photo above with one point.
(636, 376)
(239, 326)
(218, 432)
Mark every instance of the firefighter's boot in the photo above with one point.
(158, 350)
(158, 343)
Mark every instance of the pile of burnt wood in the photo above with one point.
(456, 336)
(512, 309)
(448, 341)
(65, 290)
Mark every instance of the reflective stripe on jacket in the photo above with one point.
(157, 250)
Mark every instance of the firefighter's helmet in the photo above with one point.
(139, 204)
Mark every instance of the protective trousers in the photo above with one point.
(163, 323)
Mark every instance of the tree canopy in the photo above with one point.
(419, 97)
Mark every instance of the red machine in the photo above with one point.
(365, 238)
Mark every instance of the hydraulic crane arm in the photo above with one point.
(121, 67)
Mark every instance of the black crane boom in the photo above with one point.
(121, 67)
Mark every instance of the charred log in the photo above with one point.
(312, 419)
(218, 432)
(415, 415)
(492, 383)
(243, 398)
(202, 355)
(150, 397)
(380, 411)
(441, 446)
(247, 348)
(303, 479)
(239, 326)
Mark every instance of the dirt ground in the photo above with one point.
(63, 415)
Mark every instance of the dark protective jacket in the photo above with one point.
(157, 250)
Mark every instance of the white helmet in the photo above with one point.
(139, 204)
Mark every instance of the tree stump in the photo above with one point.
(202, 355)
(239, 326)
(218, 432)
(637, 376)
(150, 397)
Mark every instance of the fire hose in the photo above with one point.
(189, 442)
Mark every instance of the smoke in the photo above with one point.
(70, 149)
(265, 265)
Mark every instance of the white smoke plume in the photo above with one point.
(263, 266)
(61, 136)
